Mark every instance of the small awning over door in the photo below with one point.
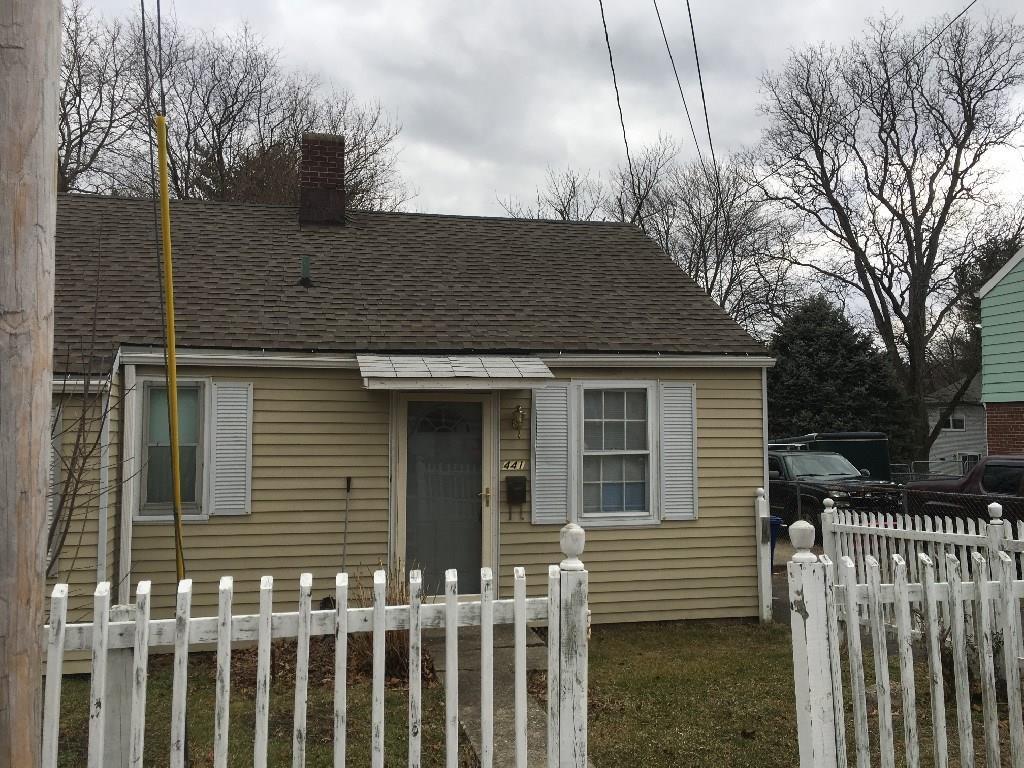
(452, 372)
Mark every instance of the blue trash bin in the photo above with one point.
(776, 526)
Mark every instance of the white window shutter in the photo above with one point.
(551, 460)
(678, 414)
(231, 459)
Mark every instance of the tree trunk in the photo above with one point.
(29, 67)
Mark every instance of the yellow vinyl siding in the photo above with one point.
(310, 429)
(675, 570)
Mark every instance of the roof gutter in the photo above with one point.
(264, 359)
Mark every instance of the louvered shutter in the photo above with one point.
(551, 460)
(678, 451)
(231, 462)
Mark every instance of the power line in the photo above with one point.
(700, 79)
(618, 101)
(888, 79)
(679, 85)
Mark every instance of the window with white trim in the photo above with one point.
(156, 449)
(215, 435)
(955, 423)
(616, 454)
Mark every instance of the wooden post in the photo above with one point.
(812, 653)
(572, 656)
(828, 534)
(29, 66)
(764, 555)
(995, 533)
(117, 723)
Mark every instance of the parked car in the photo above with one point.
(865, 450)
(800, 481)
(994, 478)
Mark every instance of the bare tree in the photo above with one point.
(236, 115)
(881, 151)
(567, 195)
(97, 109)
(735, 247)
(635, 187)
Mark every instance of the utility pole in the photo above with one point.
(29, 67)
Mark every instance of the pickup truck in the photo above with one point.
(800, 481)
(994, 478)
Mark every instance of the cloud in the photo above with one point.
(490, 92)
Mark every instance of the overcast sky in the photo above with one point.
(490, 92)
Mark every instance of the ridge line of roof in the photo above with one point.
(361, 211)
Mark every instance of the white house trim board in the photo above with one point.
(654, 360)
(1008, 267)
(268, 359)
(130, 438)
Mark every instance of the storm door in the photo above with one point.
(443, 484)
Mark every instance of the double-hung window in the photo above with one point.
(610, 453)
(616, 454)
(215, 448)
(157, 498)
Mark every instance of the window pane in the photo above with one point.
(1002, 479)
(636, 404)
(636, 435)
(158, 475)
(592, 404)
(611, 468)
(614, 405)
(158, 434)
(188, 416)
(636, 497)
(592, 435)
(614, 435)
(591, 497)
(591, 469)
(611, 497)
(635, 468)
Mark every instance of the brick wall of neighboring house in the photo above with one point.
(1005, 427)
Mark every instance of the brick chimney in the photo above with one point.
(322, 180)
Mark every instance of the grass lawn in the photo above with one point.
(688, 694)
(714, 693)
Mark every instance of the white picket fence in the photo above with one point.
(131, 631)
(859, 535)
(827, 616)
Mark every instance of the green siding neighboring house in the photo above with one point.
(1002, 356)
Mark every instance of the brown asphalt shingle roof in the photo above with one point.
(386, 282)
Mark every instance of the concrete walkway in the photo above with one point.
(504, 690)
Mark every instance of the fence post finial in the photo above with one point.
(829, 504)
(760, 493)
(572, 539)
(801, 534)
(995, 511)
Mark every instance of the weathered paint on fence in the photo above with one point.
(992, 596)
(137, 634)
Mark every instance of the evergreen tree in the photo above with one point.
(830, 377)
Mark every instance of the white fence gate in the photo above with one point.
(826, 618)
(859, 535)
(564, 611)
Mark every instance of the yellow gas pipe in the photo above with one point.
(172, 363)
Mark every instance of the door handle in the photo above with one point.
(486, 495)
